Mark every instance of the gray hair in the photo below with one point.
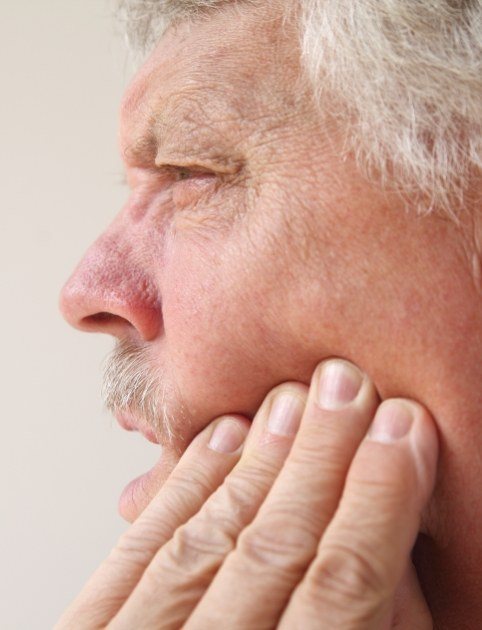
(405, 75)
(132, 382)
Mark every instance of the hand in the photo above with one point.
(307, 521)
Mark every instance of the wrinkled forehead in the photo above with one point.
(146, 20)
(229, 66)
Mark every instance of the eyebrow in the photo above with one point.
(144, 152)
(159, 125)
(151, 148)
(141, 150)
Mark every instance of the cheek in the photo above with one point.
(212, 341)
(225, 346)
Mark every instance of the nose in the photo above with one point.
(111, 291)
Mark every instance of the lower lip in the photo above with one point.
(138, 493)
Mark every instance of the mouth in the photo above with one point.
(129, 423)
(140, 491)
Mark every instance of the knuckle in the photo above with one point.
(388, 480)
(229, 508)
(277, 542)
(255, 474)
(239, 494)
(193, 554)
(132, 550)
(317, 449)
(394, 490)
(347, 579)
(193, 480)
(200, 537)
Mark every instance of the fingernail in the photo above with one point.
(392, 422)
(227, 437)
(285, 414)
(339, 384)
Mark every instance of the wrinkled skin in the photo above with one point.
(284, 522)
(271, 252)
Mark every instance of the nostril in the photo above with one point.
(104, 320)
(99, 318)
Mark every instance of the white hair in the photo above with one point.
(404, 75)
(409, 74)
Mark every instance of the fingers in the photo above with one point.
(274, 551)
(202, 468)
(363, 553)
(183, 569)
(234, 534)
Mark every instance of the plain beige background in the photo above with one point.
(64, 460)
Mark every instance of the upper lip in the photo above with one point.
(130, 423)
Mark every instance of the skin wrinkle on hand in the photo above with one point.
(297, 259)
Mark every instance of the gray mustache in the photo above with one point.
(132, 383)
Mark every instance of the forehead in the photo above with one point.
(223, 68)
(146, 20)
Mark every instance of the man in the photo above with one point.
(305, 185)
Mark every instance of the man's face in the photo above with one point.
(251, 248)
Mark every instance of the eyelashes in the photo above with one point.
(184, 173)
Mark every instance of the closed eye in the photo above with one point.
(182, 173)
(189, 185)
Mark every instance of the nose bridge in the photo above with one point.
(113, 289)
